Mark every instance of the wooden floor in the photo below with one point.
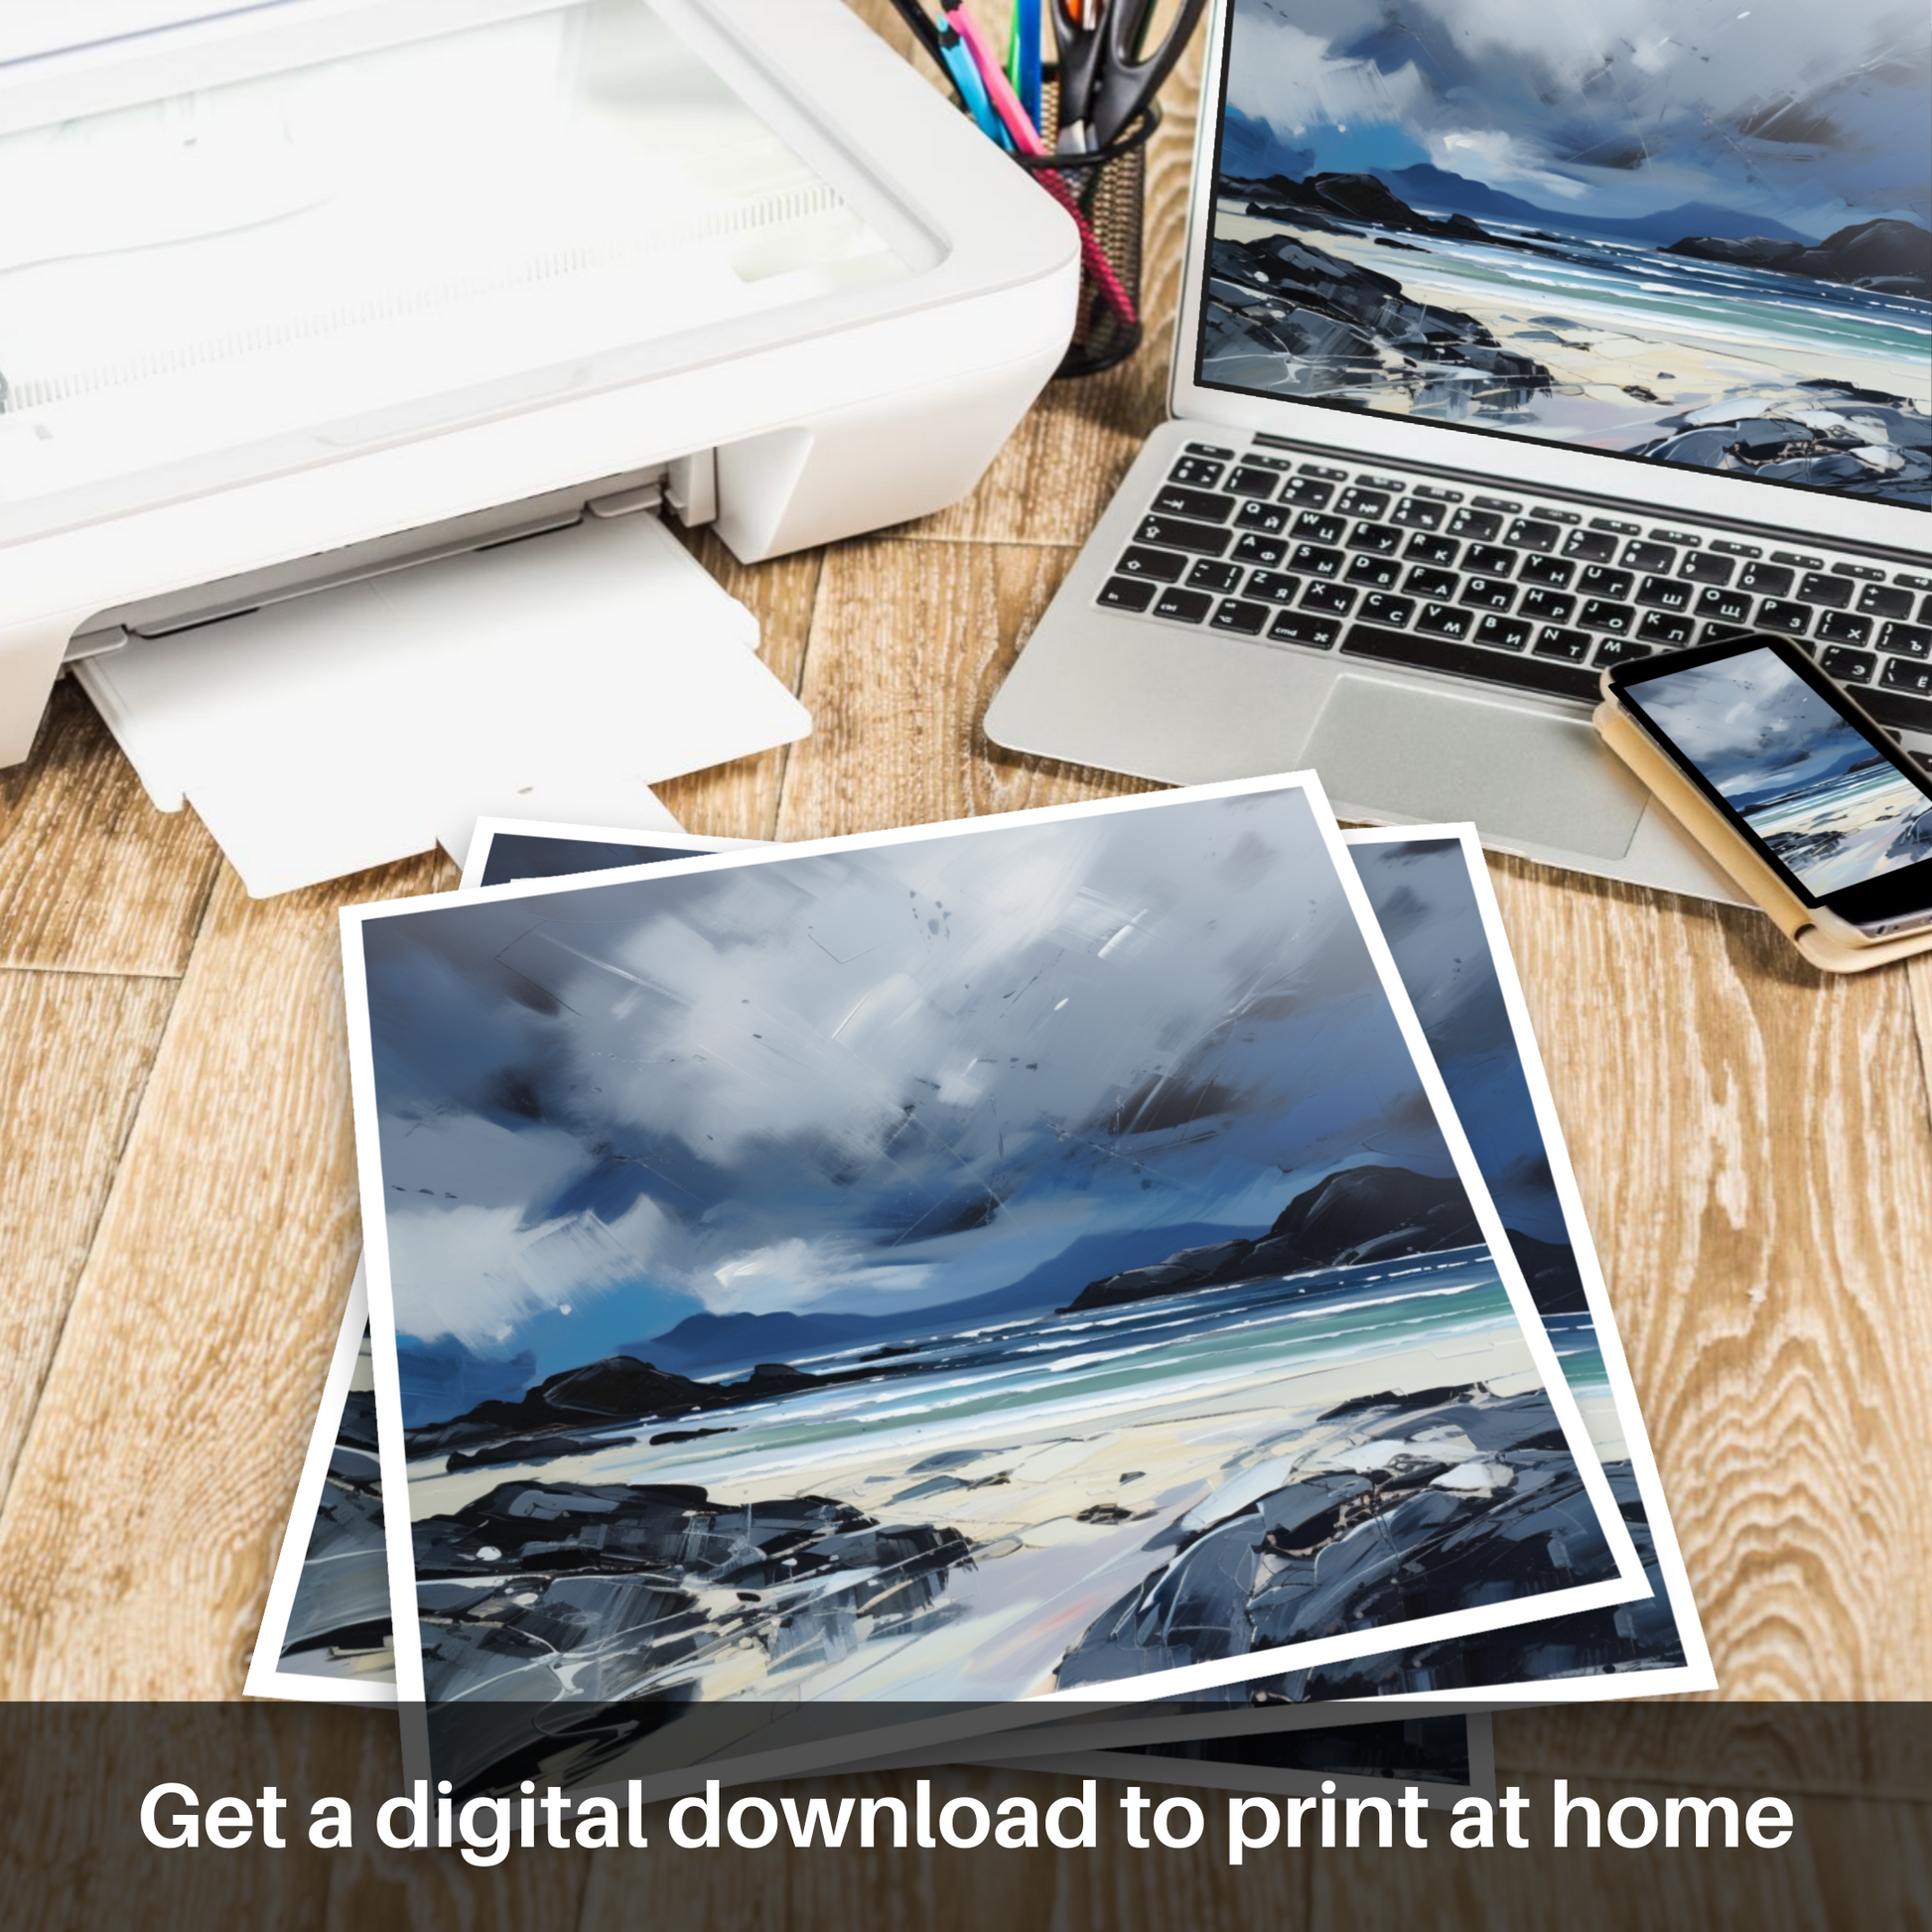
(178, 1219)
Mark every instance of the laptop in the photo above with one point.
(1515, 342)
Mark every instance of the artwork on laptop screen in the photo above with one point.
(1690, 232)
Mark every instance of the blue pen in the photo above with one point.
(1026, 82)
(972, 89)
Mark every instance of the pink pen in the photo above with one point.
(1025, 138)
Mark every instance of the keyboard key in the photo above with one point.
(1616, 528)
(1601, 615)
(1842, 628)
(1665, 628)
(1380, 573)
(1424, 549)
(1590, 546)
(1572, 645)
(1701, 567)
(1767, 580)
(1489, 559)
(1174, 533)
(1781, 614)
(1196, 471)
(1298, 627)
(1797, 560)
(1896, 709)
(1618, 650)
(1876, 601)
(1503, 633)
(1527, 533)
(1311, 468)
(1902, 674)
(1171, 500)
(1384, 539)
(1925, 611)
(1508, 506)
(1235, 615)
(1599, 582)
(1866, 573)
(1210, 449)
(1664, 593)
(1834, 593)
(1247, 481)
(1547, 607)
(1730, 549)
(1282, 466)
(1162, 565)
(1552, 571)
(1362, 502)
(1908, 639)
(1275, 586)
(1725, 607)
(1480, 524)
(1184, 607)
(1847, 667)
(1306, 492)
(1438, 653)
(1724, 634)
(1250, 548)
(1418, 513)
(1431, 583)
(1208, 575)
(1394, 612)
(1486, 594)
(1313, 527)
(1330, 598)
(1269, 518)
(1446, 621)
(1314, 561)
(1126, 593)
(1649, 556)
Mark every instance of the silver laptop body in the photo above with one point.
(1421, 611)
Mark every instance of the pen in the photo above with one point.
(1025, 138)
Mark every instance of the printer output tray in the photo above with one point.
(557, 677)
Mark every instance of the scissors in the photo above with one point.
(1107, 75)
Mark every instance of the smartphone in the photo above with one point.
(1786, 757)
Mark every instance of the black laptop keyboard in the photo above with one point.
(1528, 595)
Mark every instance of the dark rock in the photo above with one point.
(1330, 1221)
(538, 1449)
(1868, 252)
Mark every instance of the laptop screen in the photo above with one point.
(1670, 229)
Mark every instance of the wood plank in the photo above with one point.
(909, 645)
(147, 1503)
(92, 879)
(74, 1055)
(945, 1889)
(1753, 1148)
(740, 801)
(1851, 1866)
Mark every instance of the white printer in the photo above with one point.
(309, 309)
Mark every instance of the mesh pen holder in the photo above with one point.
(1107, 192)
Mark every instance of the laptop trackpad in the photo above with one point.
(1385, 747)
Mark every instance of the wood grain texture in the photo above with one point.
(74, 1055)
(146, 1502)
(910, 643)
(740, 801)
(92, 879)
(1752, 1145)
(1849, 1867)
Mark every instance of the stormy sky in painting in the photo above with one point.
(872, 1081)
(1808, 116)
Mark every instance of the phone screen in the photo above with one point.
(1820, 792)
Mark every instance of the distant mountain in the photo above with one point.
(1789, 784)
(705, 1343)
(1426, 185)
